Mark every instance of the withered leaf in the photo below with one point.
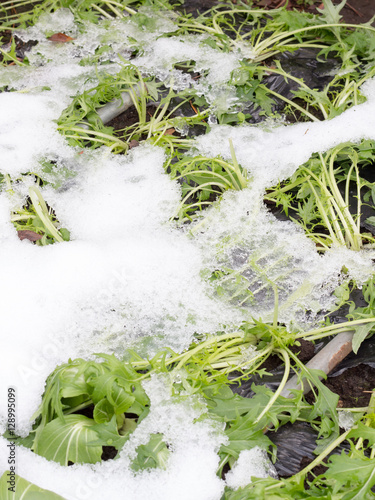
(60, 37)
(133, 144)
(29, 235)
(169, 131)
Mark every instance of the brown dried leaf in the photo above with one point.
(170, 131)
(133, 144)
(60, 37)
(29, 235)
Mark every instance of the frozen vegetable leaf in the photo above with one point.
(152, 455)
(361, 332)
(68, 441)
(364, 432)
(103, 411)
(107, 434)
(23, 489)
(330, 12)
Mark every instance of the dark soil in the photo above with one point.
(354, 386)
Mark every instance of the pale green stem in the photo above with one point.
(42, 211)
(125, 7)
(273, 39)
(334, 329)
(14, 59)
(280, 388)
(347, 219)
(293, 104)
(103, 12)
(114, 10)
(324, 216)
(319, 459)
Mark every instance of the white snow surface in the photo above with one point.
(272, 154)
(250, 463)
(127, 274)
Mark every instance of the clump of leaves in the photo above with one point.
(36, 221)
(203, 179)
(320, 197)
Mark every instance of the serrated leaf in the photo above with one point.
(152, 455)
(344, 470)
(24, 490)
(331, 12)
(364, 432)
(101, 386)
(68, 441)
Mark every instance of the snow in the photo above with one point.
(191, 471)
(346, 419)
(128, 276)
(117, 281)
(250, 463)
(29, 117)
(272, 154)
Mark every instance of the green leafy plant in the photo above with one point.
(319, 193)
(38, 219)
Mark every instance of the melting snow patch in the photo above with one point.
(28, 132)
(127, 275)
(250, 463)
(272, 154)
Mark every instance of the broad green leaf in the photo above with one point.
(120, 399)
(69, 441)
(23, 490)
(103, 411)
(108, 435)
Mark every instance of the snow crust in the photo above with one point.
(128, 277)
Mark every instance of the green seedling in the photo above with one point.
(37, 218)
(321, 188)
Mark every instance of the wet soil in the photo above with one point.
(354, 386)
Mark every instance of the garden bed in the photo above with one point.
(187, 216)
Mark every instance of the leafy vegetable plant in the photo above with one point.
(91, 404)
(320, 194)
